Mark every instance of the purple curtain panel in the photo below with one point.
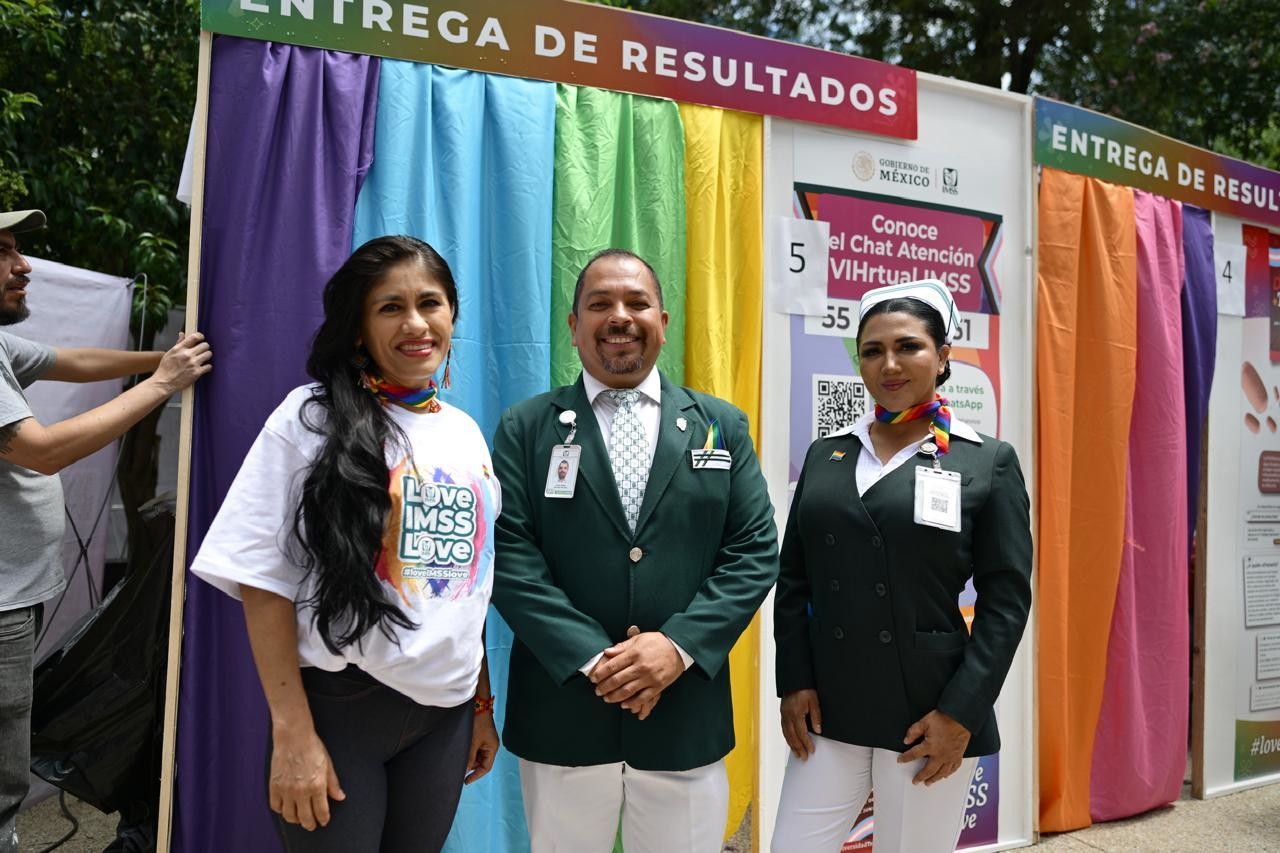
(290, 140)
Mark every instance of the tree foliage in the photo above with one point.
(95, 102)
(94, 110)
(22, 22)
(998, 43)
(1206, 72)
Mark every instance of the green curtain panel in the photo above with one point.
(619, 181)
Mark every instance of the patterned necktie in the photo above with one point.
(628, 453)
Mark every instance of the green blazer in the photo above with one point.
(569, 578)
(866, 609)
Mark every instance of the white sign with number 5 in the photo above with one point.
(798, 268)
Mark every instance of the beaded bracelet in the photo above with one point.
(484, 704)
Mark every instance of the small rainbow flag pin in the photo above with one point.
(836, 456)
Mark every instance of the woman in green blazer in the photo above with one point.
(882, 685)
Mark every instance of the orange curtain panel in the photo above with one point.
(1086, 344)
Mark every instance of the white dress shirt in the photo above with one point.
(870, 469)
(648, 409)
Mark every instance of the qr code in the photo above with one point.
(838, 401)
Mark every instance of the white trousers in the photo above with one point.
(822, 796)
(575, 809)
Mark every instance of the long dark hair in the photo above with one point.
(340, 519)
(923, 312)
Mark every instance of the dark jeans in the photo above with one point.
(401, 765)
(18, 630)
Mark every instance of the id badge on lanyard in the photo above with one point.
(562, 473)
(938, 497)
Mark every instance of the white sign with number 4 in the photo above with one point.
(798, 271)
(1229, 260)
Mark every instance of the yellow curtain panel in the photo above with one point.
(723, 184)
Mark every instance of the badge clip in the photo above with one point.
(928, 448)
(570, 419)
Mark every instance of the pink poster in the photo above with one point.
(875, 242)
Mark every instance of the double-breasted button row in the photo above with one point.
(838, 633)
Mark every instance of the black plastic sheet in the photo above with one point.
(99, 696)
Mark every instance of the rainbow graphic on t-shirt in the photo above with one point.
(437, 543)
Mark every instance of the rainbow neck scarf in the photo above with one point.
(938, 410)
(422, 399)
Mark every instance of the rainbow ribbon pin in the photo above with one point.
(715, 441)
(712, 455)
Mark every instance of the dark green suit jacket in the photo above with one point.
(866, 608)
(705, 550)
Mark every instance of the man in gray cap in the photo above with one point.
(31, 508)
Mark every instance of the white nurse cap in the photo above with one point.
(930, 291)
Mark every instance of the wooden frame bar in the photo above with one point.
(178, 585)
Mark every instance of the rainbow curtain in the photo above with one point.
(516, 183)
(1118, 410)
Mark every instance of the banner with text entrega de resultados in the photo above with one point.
(590, 45)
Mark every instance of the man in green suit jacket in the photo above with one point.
(627, 595)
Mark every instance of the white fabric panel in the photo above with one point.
(72, 307)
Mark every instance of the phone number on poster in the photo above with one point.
(840, 320)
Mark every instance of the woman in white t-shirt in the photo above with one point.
(358, 534)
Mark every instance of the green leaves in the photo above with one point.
(94, 113)
(36, 22)
(1203, 71)
(13, 105)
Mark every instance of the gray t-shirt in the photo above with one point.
(31, 513)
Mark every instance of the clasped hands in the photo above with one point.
(637, 670)
(941, 739)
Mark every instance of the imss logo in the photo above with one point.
(437, 523)
(951, 181)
